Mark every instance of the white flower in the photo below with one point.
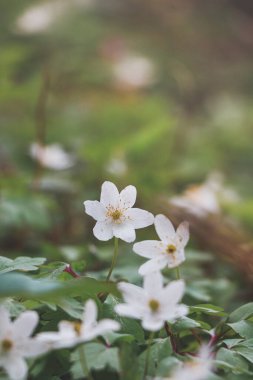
(72, 333)
(16, 342)
(199, 368)
(115, 214)
(153, 304)
(52, 156)
(169, 251)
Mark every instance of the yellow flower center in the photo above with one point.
(116, 215)
(154, 305)
(171, 249)
(77, 327)
(7, 345)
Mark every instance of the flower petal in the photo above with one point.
(124, 231)
(140, 218)
(128, 197)
(35, 347)
(4, 321)
(90, 313)
(152, 265)
(16, 367)
(24, 325)
(183, 234)
(103, 326)
(132, 294)
(174, 291)
(175, 260)
(109, 194)
(152, 324)
(148, 248)
(103, 231)
(164, 227)
(95, 209)
(153, 283)
(127, 311)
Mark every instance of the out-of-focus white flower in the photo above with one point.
(199, 368)
(72, 333)
(206, 198)
(16, 342)
(116, 166)
(115, 214)
(52, 156)
(132, 71)
(40, 17)
(153, 304)
(169, 251)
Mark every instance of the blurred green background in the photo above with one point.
(157, 94)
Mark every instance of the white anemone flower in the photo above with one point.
(169, 251)
(16, 342)
(52, 156)
(72, 333)
(115, 214)
(153, 304)
(199, 368)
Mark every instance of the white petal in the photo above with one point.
(16, 367)
(95, 209)
(103, 231)
(128, 197)
(132, 294)
(109, 194)
(152, 324)
(148, 248)
(140, 218)
(126, 310)
(175, 260)
(26, 322)
(35, 347)
(183, 234)
(153, 283)
(174, 291)
(5, 323)
(103, 326)
(152, 265)
(90, 313)
(181, 311)
(124, 231)
(164, 227)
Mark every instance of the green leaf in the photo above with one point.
(243, 312)
(232, 342)
(159, 350)
(207, 309)
(245, 352)
(228, 359)
(243, 328)
(128, 355)
(97, 356)
(185, 323)
(20, 263)
(19, 285)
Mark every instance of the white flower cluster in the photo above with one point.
(154, 304)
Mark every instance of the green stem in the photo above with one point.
(114, 258)
(83, 362)
(151, 337)
(178, 273)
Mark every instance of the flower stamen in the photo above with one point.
(77, 327)
(7, 345)
(171, 249)
(154, 305)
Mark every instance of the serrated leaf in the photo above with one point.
(245, 352)
(207, 309)
(22, 263)
(243, 328)
(185, 323)
(232, 342)
(231, 360)
(243, 312)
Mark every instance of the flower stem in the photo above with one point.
(114, 258)
(178, 273)
(151, 337)
(70, 270)
(83, 362)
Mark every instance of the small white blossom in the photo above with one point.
(199, 368)
(153, 304)
(72, 333)
(52, 156)
(169, 251)
(16, 342)
(115, 214)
